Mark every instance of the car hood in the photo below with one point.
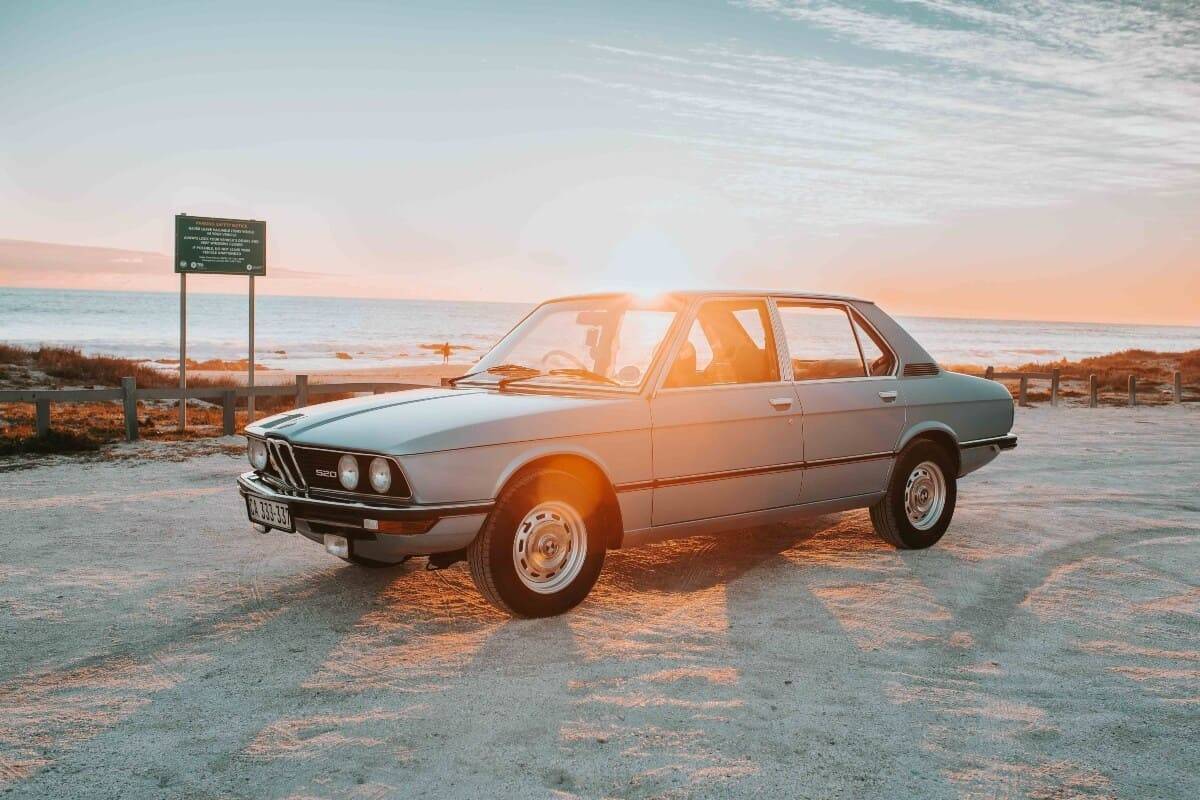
(427, 420)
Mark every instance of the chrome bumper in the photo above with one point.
(355, 515)
(1007, 442)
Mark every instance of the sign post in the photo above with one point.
(217, 246)
(182, 350)
(250, 376)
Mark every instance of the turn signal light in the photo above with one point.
(402, 527)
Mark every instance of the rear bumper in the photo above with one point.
(442, 528)
(1006, 442)
(975, 454)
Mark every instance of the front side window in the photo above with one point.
(729, 342)
(821, 341)
(601, 341)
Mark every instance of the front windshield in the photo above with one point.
(601, 341)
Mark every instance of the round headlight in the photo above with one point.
(257, 451)
(380, 475)
(348, 472)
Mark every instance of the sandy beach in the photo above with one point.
(428, 374)
(1048, 647)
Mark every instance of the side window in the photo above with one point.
(880, 360)
(730, 341)
(640, 333)
(821, 341)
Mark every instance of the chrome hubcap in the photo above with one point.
(925, 495)
(550, 546)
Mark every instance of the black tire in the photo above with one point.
(490, 554)
(889, 516)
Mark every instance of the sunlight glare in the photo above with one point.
(648, 263)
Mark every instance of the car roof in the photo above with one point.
(724, 293)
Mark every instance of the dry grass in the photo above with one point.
(1154, 372)
(105, 422)
(73, 367)
(53, 442)
(1112, 371)
(85, 426)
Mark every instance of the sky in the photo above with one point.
(1007, 159)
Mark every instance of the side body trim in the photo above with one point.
(682, 480)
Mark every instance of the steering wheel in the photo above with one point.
(565, 355)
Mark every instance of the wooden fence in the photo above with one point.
(1056, 379)
(301, 390)
(129, 395)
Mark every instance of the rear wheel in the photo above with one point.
(541, 550)
(919, 503)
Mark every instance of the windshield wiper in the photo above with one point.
(499, 369)
(586, 374)
(572, 372)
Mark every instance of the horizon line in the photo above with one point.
(260, 293)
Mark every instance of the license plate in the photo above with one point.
(268, 512)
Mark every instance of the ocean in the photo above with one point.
(307, 333)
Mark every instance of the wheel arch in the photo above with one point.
(938, 433)
(585, 466)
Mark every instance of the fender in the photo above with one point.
(924, 427)
(551, 449)
(628, 507)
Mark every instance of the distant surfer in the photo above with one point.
(445, 350)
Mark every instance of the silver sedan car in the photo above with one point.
(612, 420)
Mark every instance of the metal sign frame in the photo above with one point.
(217, 246)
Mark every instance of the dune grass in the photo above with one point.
(85, 426)
(55, 441)
(76, 427)
(1112, 371)
(72, 366)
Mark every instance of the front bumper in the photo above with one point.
(443, 528)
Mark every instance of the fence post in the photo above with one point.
(301, 391)
(1022, 391)
(43, 417)
(1093, 391)
(989, 373)
(228, 409)
(129, 387)
(1178, 381)
(1055, 374)
(1132, 390)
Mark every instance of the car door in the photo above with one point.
(726, 432)
(844, 375)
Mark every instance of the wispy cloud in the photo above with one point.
(927, 107)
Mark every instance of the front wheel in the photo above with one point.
(919, 503)
(541, 550)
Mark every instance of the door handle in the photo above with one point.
(780, 403)
(887, 397)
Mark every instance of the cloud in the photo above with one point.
(915, 111)
(24, 260)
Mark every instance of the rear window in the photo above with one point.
(822, 342)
